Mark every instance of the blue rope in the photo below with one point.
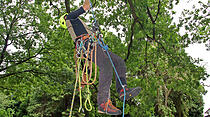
(105, 47)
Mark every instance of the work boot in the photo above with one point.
(130, 92)
(108, 108)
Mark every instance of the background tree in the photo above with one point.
(37, 65)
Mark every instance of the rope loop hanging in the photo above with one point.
(85, 46)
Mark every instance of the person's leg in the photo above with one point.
(105, 75)
(121, 70)
(105, 79)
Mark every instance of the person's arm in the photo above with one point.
(78, 12)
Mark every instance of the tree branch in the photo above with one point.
(7, 37)
(158, 11)
(4, 19)
(133, 12)
(202, 83)
(2, 36)
(55, 7)
(131, 39)
(26, 34)
(20, 62)
(145, 59)
(132, 9)
(67, 6)
(150, 15)
(153, 21)
(153, 32)
(4, 50)
(19, 72)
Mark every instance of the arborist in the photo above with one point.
(77, 29)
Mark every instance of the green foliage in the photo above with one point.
(37, 64)
(6, 106)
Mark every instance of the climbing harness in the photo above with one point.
(105, 47)
(85, 46)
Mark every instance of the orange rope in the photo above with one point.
(86, 78)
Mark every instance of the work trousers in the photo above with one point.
(106, 73)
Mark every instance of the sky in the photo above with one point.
(199, 51)
(196, 50)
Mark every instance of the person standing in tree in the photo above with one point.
(78, 28)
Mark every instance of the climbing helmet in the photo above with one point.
(62, 21)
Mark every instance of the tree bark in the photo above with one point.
(67, 4)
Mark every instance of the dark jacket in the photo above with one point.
(75, 25)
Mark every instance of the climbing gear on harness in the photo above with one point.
(85, 45)
(108, 108)
(62, 21)
(92, 45)
(105, 47)
(130, 92)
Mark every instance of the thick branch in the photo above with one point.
(167, 92)
(153, 32)
(131, 40)
(133, 12)
(67, 6)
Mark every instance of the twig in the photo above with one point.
(158, 11)
(150, 15)
(202, 83)
(55, 7)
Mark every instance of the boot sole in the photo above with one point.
(108, 113)
(133, 93)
